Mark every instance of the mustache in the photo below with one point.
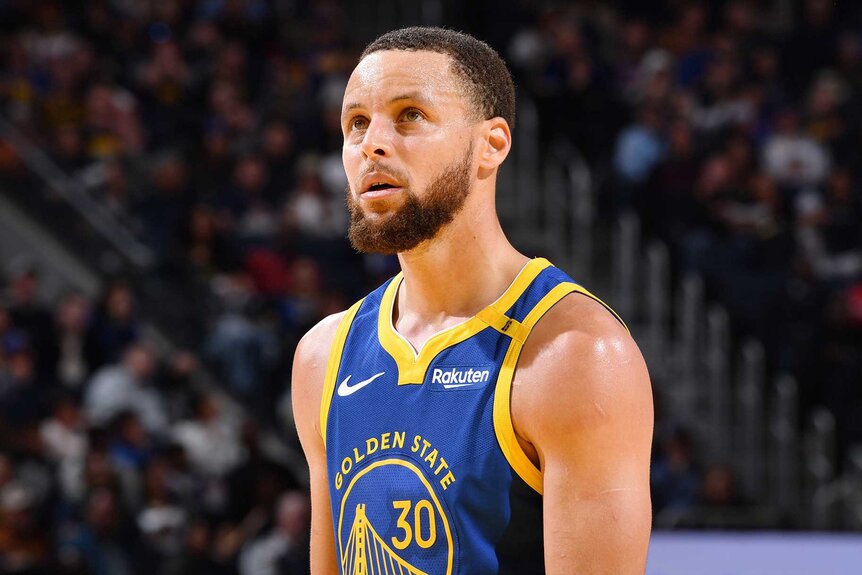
(398, 175)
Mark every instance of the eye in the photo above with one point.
(411, 115)
(358, 123)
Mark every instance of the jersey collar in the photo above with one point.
(412, 365)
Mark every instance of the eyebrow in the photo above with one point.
(415, 96)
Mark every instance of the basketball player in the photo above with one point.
(480, 412)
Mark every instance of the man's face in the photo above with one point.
(408, 152)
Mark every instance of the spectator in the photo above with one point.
(829, 230)
(114, 190)
(196, 557)
(668, 205)
(66, 443)
(826, 119)
(213, 163)
(127, 386)
(249, 200)
(278, 147)
(26, 310)
(113, 327)
(101, 544)
(24, 547)
(129, 447)
(310, 210)
(675, 480)
(165, 208)
(282, 549)
(32, 468)
(65, 359)
(720, 488)
(639, 147)
(793, 158)
(111, 123)
(162, 522)
(7, 335)
(68, 148)
(7, 470)
(165, 82)
(22, 395)
(242, 351)
(207, 249)
(258, 481)
(210, 439)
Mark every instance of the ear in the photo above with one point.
(495, 144)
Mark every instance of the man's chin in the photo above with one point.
(380, 209)
(380, 236)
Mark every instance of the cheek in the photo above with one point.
(429, 164)
(351, 161)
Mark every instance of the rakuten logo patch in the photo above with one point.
(454, 377)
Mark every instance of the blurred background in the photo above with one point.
(172, 220)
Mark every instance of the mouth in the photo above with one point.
(376, 186)
(379, 186)
(380, 191)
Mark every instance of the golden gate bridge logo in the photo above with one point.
(419, 521)
(367, 554)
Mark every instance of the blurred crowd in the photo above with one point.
(733, 129)
(211, 130)
(113, 462)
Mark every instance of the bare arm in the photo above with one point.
(309, 368)
(582, 404)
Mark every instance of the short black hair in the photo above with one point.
(483, 71)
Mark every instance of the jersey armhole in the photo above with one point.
(504, 428)
(333, 363)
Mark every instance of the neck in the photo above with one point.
(466, 267)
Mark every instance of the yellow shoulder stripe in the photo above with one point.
(503, 426)
(504, 324)
(334, 363)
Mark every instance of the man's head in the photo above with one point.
(426, 116)
(485, 76)
(139, 359)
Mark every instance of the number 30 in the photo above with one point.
(418, 523)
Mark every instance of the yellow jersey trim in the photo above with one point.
(411, 365)
(333, 363)
(586, 292)
(504, 324)
(503, 426)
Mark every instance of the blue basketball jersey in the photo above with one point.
(425, 472)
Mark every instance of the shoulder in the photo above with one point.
(578, 332)
(579, 366)
(313, 348)
(309, 369)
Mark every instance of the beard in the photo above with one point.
(418, 219)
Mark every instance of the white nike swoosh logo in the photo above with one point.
(344, 389)
(454, 385)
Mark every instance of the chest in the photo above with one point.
(451, 399)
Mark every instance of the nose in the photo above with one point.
(377, 141)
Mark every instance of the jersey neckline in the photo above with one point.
(412, 365)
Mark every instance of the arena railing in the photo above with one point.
(65, 209)
(784, 474)
(720, 390)
(546, 197)
(836, 503)
(75, 195)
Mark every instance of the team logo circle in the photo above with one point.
(402, 528)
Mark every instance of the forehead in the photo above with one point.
(392, 73)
